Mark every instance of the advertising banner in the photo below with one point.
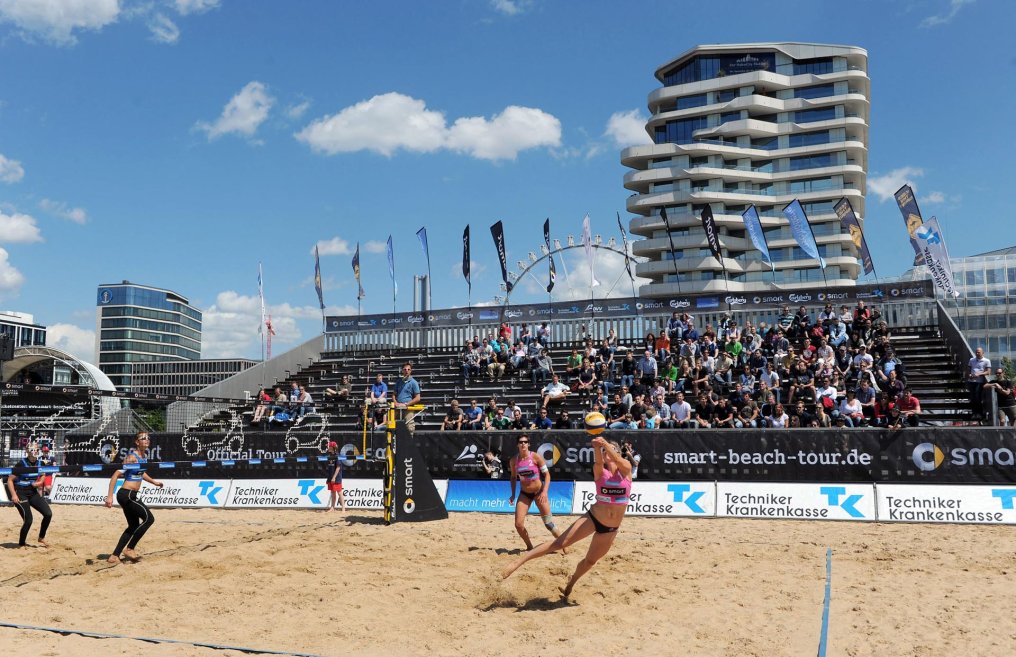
(838, 501)
(657, 498)
(497, 232)
(995, 505)
(931, 241)
(712, 236)
(952, 455)
(753, 226)
(848, 221)
(277, 494)
(801, 230)
(194, 493)
(911, 218)
(492, 496)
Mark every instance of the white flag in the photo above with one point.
(932, 244)
(587, 242)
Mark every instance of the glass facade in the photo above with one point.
(709, 67)
(183, 377)
(139, 324)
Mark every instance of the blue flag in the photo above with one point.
(753, 226)
(391, 269)
(801, 230)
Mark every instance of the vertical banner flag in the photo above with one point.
(497, 232)
(670, 236)
(317, 278)
(911, 217)
(391, 269)
(848, 220)
(587, 242)
(936, 256)
(709, 225)
(465, 258)
(624, 243)
(801, 230)
(753, 226)
(356, 272)
(550, 256)
(422, 234)
(261, 296)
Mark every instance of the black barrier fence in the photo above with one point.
(940, 455)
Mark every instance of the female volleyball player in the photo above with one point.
(139, 518)
(333, 470)
(613, 486)
(533, 475)
(24, 491)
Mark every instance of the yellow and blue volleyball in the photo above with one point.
(595, 423)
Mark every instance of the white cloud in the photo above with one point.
(61, 209)
(886, 185)
(475, 269)
(574, 285)
(943, 19)
(56, 21)
(230, 326)
(393, 121)
(296, 111)
(18, 228)
(163, 29)
(334, 246)
(243, 114)
(375, 246)
(627, 129)
(76, 341)
(11, 171)
(511, 7)
(935, 197)
(10, 278)
(185, 7)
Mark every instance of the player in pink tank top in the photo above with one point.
(531, 471)
(612, 474)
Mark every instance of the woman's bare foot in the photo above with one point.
(113, 559)
(566, 591)
(131, 555)
(43, 542)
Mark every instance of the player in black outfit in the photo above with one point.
(24, 492)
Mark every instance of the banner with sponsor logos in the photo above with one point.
(911, 218)
(192, 493)
(950, 504)
(952, 455)
(932, 244)
(492, 496)
(833, 501)
(630, 306)
(693, 499)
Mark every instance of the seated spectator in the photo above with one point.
(453, 418)
(626, 423)
(850, 410)
(587, 381)
(891, 385)
(650, 420)
(518, 421)
(542, 421)
(628, 369)
(378, 391)
(573, 366)
(555, 391)
(499, 422)
(909, 407)
(520, 356)
(880, 411)
(863, 356)
(771, 381)
(801, 412)
(474, 416)
(825, 395)
(662, 347)
(647, 368)
(306, 402)
(748, 415)
(541, 367)
(802, 383)
(342, 390)
(894, 419)
(675, 328)
(563, 422)
(261, 405)
(822, 419)
(543, 334)
(778, 419)
(866, 397)
(680, 412)
(662, 411)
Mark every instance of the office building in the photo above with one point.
(736, 125)
(143, 324)
(22, 329)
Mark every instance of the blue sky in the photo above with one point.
(177, 143)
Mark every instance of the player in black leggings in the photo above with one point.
(139, 517)
(24, 493)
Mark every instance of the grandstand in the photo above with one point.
(923, 337)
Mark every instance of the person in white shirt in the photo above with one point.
(771, 379)
(978, 369)
(554, 391)
(863, 355)
(828, 391)
(778, 419)
(850, 410)
(680, 412)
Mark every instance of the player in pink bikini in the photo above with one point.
(533, 475)
(613, 487)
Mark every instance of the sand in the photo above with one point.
(333, 585)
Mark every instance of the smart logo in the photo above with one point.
(679, 490)
(927, 457)
(309, 490)
(209, 491)
(833, 495)
(550, 453)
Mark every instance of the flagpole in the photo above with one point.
(670, 236)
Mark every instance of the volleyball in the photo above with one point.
(595, 423)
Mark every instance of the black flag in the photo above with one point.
(465, 257)
(497, 232)
(553, 270)
(673, 252)
(624, 243)
(709, 224)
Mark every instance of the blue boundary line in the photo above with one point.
(824, 636)
(199, 644)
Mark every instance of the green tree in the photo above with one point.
(1010, 368)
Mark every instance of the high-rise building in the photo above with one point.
(22, 329)
(736, 125)
(143, 324)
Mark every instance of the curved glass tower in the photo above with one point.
(762, 124)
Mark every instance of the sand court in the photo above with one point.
(327, 584)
